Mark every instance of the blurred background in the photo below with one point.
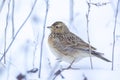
(24, 52)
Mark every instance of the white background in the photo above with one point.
(20, 56)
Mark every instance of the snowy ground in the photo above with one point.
(20, 56)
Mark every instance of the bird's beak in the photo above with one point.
(49, 26)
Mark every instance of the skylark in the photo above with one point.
(67, 46)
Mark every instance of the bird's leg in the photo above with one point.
(62, 69)
(70, 66)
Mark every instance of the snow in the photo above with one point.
(20, 57)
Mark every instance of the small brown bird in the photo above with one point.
(67, 46)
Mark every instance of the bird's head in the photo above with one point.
(58, 27)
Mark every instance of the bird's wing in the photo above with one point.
(71, 40)
(74, 42)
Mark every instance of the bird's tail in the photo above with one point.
(99, 55)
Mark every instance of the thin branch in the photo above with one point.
(34, 70)
(53, 69)
(41, 47)
(85, 78)
(114, 33)
(87, 17)
(34, 52)
(2, 4)
(13, 31)
(71, 11)
(5, 34)
(100, 4)
(58, 72)
(19, 30)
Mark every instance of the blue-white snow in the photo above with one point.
(19, 58)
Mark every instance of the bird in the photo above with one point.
(67, 46)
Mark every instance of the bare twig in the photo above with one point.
(58, 72)
(19, 30)
(34, 70)
(5, 34)
(100, 4)
(54, 69)
(35, 48)
(85, 78)
(114, 33)
(87, 17)
(41, 47)
(13, 5)
(71, 11)
(2, 4)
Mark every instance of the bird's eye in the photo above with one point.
(57, 27)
